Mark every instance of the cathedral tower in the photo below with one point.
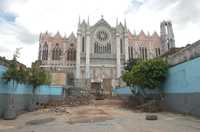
(167, 36)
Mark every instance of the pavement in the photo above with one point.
(98, 117)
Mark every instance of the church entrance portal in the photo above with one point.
(97, 90)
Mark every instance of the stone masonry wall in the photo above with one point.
(185, 54)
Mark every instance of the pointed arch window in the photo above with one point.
(121, 46)
(146, 55)
(45, 52)
(102, 49)
(83, 44)
(143, 53)
(71, 53)
(131, 52)
(109, 48)
(157, 52)
(56, 53)
(40, 53)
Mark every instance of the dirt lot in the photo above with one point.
(100, 116)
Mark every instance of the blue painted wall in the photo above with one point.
(184, 78)
(49, 90)
(22, 93)
(122, 91)
(182, 88)
(27, 89)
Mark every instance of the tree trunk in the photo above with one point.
(32, 105)
(33, 97)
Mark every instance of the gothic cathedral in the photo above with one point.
(98, 52)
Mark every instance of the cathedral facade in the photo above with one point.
(99, 51)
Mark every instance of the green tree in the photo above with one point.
(37, 76)
(130, 63)
(127, 76)
(15, 75)
(151, 73)
(147, 74)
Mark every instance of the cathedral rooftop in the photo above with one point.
(102, 21)
(72, 36)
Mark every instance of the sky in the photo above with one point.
(21, 21)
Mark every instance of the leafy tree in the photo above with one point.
(37, 76)
(147, 74)
(127, 76)
(130, 63)
(150, 74)
(15, 74)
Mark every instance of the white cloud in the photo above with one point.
(4, 49)
(183, 14)
(35, 16)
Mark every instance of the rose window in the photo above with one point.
(102, 36)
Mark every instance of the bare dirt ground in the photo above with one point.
(100, 116)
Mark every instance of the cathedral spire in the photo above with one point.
(79, 23)
(57, 34)
(148, 34)
(40, 35)
(79, 20)
(125, 25)
(116, 22)
(134, 32)
(88, 21)
(124, 22)
(101, 16)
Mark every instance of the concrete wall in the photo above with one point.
(182, 87)
(187, 53)
(22, 94)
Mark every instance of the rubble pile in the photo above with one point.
(54, 103)
(58, 110)
(67, 101)
(150, 106)
(78, 100)
(144, 105)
